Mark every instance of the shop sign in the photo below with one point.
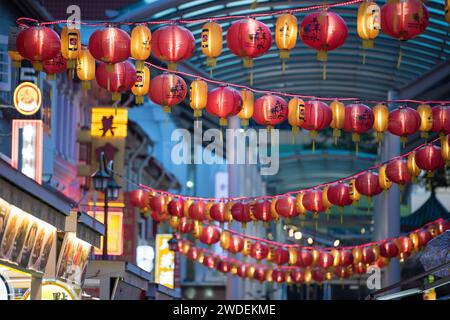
(25, 241)
(165, 261)
(5, 291)
(115, 231)
(144, 257)
(54, 290)
(73, 259)
(27, 98)
(109, 122)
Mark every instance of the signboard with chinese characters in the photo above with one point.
(165, 261)
(54, 290)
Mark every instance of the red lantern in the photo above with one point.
(223, 266)
(339, 194)
(280, 256)
(404, 19)
(236, 244)
(285, 207)
(270, 110)
(185, 225)
(262, 211)
(318, 275)
(304, 258)
(297, 276)
(176, 207)
(368, 184)
(120, 79)
(249, 39)
(242, 270)
(197, 211)
(345, 258)
(217, 212)
(429, 158)
(403, 121)
(312, 201)
(360, 268)
(367, 255)
(110, 45)
(424, 237)
(442, 226)
(55, 65)
(397, 171)
(279, 276)
(441, 119)
(323, 31)
(224, 102)
(259, 251)
(173, 44)
(158, 204)
(260, 274)
(210, 235)
(405, 245)
(325, 259)
(38, 44)
(388, 249)
(139, 198)
(342, 272)
(241, 212)
(209, 262)
(193, 253)
(359, 118)
(316, 115)
(167, 90)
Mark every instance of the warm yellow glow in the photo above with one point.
(27, 98)
(115, 232)
(109, 122)
(54, 290)
(165, 261)
(298, 235)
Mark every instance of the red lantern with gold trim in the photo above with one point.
(397, 171)
(260, 274)
(210, 235)
(312, 201)
(158, 204)
(167, 90)
(259, 251)
(278, 276)
(241, 212)
(424, 237)
(403, 121)
(223, 102)
(110, 45)
(342, 272)
(405, 245)
(429, 158)
(139, 198)
(270, 110)
(359, 118)
(441, 119)
(325, 259)
(53, 66)
(367, 255)
(368, 184)
(223, 266)
(185, 225)
(217, 212)
(120, 79)
(176, 207)
(345, 258)
(317, 116)
(297, 276)
(262, 211)
(388, 249)
(285, 207)
(280, 256)
(236, 244)
(242, 269)
(197, 211)
(339, 194)
(209, 262)
(304, 258)
(442, 226)
(318, 275)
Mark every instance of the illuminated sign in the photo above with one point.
(5, 291)
(54, 290)
(109, 122)
(27, 98)
(115, 231)
(26, 149)
(144, 257)
(165, 261)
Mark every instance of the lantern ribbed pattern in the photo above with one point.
(198, 94)
(211, 41)
(70, 45)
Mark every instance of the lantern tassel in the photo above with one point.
(254, 4)
(336, 135)
(210, 72)
(251, 76)
(324, 71)
(283, 66)
(364, 55)
(399, 60)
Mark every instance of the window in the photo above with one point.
(5, 69)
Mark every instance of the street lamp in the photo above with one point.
(104, 181)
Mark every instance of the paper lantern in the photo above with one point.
(403, 121)
(110, 45)
(270, 110)
(197, 211)
(167, 90)
(383, 180)
(305, 258)
(217, 212)
(172, 44)
(285, 207)
(367, 255)
(297, 276)
(312, 201)
(120, 79)
(259, 251)
(339, 194)
(429, 158)
(323, 31)
(397, 171)
(70, 45)
(338, 118)
(210, 235)
(368, 184)
(278, 276)
(38, 44)
(301, 210)
(185, 225)
(225, 239)
(211, 41)
(139, 198)
(280, 256)
(424, 237)
(353, 191)
(360, 268)
(140, 44)
(445, 148)
(85, 68)
(318, 275)
(249, 39)
(293, 256)
(260, 274)
(357, 255)
(236, 244)
(198, 94)
(286, 29)
(447, 10)
(405, 245)
(247, 107)
(158, 203)
(209, 262)
(53, 66)
(316, 116)
(223, 102)
(442, 226)
(175, 207)
(388, 249)
(426, 119)
(345, 258)
(413, 169)
(295, 119)
(193, 253)
(241, 212)
(368, 24)
(359, 118)
(325, 201)
(380, 123)
(262, 212)
(142, 84)
(242, 270)
(441, 119)
(223, 266)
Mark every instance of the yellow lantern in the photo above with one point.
(251, 272)
(336, 257)
(273, 210)
(286, 31)
(208, 206)
(198, 228)
(294, 107)
(315, 255)
(293, 255)
(380, 124)
(415, 240)
(426, 119)
(269, 273)
(353, 192)
(247, 247)
(16, 58)
(247, 107)
(140, 44)
(326, 203)
(368, 24)
(142, 84)
(70, 45)
(383, 180)
(228, 215)
(225, 239)
(85, 68)
(185, 248)
(357, 255)
(447, 10)
(211, 42)
(198, 94)
(308, 275)
(337, 122)
(299, 205)
(201, 256)
(445, 149)
(376, 252)
(413, 169)
(187, 205)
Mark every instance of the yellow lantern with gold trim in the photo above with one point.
(326, 203)
(198, 228)
(85, 68)
(368, 24)
(225, 239)
(246, 112)
(140, 44)
(357, 255)
(353, 192)
(187, 205)
(198, 94)
(174, 222)
(294, 107)
(247, 246)
(211, 41)
(445, 149)
(142, 84)
(299, 205)
(426, 119)
(70, 45)
(251, 271)
(380, 123)
(413, 169)
(293, 255)
(338, 118)
(383, 180)
(286, 31)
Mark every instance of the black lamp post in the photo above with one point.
(104, 181)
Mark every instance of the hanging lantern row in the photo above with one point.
(299, 262)
(247, 38)
(183, 212)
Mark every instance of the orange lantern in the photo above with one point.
(383, 180)
(353, 191)
(295, 119)
(246, 112)
(368, 24)
(447, 10)
(299, 204)
(445, 148)
(413, 169)
(70, 45)
(426, 119)
(140, 44)
(85, 68)
(285, 36)
(380, 124)
(325, 201)
(338, 118)
(142, 84)
(198, 94)
(211, 42)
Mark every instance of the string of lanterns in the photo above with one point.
(298, 264)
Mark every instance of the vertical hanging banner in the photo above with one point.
(165, 261)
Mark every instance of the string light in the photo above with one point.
(298, 235)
